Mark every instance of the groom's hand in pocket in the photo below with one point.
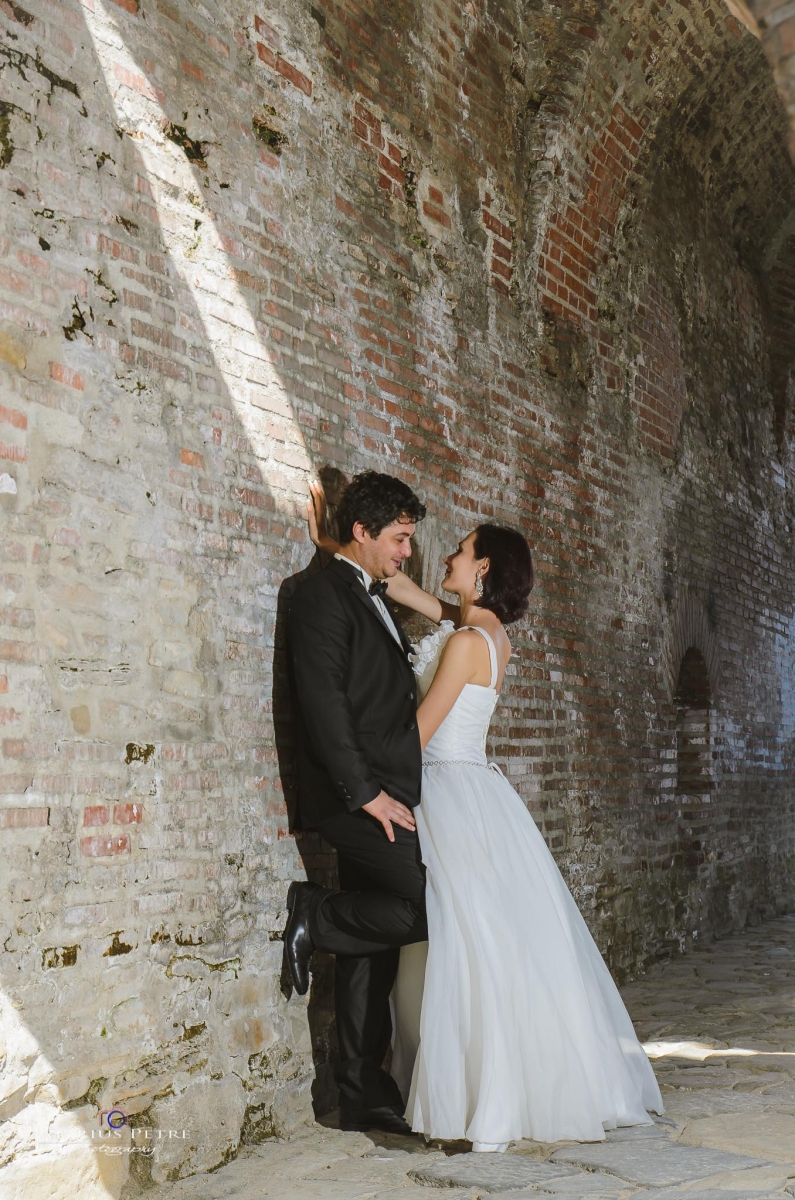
(389, 812)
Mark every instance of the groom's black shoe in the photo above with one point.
(298, 946)
(388, 1119)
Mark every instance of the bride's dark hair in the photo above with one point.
(509, 580)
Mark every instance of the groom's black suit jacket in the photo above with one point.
(355, 698)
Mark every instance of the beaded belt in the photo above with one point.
(461, 762)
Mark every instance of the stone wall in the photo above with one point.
(526, 256)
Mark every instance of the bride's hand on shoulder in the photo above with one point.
(316, 510)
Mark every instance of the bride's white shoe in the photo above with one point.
(489, 1147)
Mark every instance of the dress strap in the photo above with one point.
(492, 652)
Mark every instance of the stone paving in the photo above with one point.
(719, 1025)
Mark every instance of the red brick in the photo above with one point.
(501, 268)
(15, 614)
(266, 55)
(138, 83)
(258, 526)
(34, 263)
(497, 227)
(197, 508)
(96, 814)
(218, 46)
(103, 847)
(19, 652)
(127, 814)
(436, 214)
(365, 115)
(391, 169)
(189, 68)
(24, 818)
(252, 498)
(17, 454)
(62, 374)
(16, 282)
(294, 76)
(267, 32)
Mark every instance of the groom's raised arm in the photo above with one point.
(319, 650)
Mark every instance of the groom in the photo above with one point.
(359, 770)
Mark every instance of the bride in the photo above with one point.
(518, 1030)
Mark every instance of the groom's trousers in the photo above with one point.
(379, 908)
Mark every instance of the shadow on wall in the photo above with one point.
(143, 972)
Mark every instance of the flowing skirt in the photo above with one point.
(518, 1030)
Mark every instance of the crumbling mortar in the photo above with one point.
(18, 59)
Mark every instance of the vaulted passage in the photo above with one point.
(538, 260)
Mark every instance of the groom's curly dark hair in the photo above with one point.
(375, 500)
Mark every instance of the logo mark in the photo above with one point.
(115, 1118)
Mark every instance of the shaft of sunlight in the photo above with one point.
(700, 1051)
(228, 326)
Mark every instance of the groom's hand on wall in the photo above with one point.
(386, 810)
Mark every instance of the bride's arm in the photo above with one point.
(400, 588)
(405, 591)
(316, 519)
(458, 665)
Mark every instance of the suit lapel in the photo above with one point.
(363, 597)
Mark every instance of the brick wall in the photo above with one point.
(524, 262)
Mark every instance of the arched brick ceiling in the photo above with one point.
(618, 87)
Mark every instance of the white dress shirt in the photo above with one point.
(377, 601)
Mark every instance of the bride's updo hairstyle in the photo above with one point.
(509, 580)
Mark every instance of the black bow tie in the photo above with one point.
(378, 587)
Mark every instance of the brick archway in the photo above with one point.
(693, 703)
(691, 629)
(684, 83)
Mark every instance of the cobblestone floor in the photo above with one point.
(719, 1025)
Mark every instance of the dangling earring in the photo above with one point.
(478, 584)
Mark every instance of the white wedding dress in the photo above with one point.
(519, 1030)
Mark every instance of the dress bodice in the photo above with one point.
(462, 734)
